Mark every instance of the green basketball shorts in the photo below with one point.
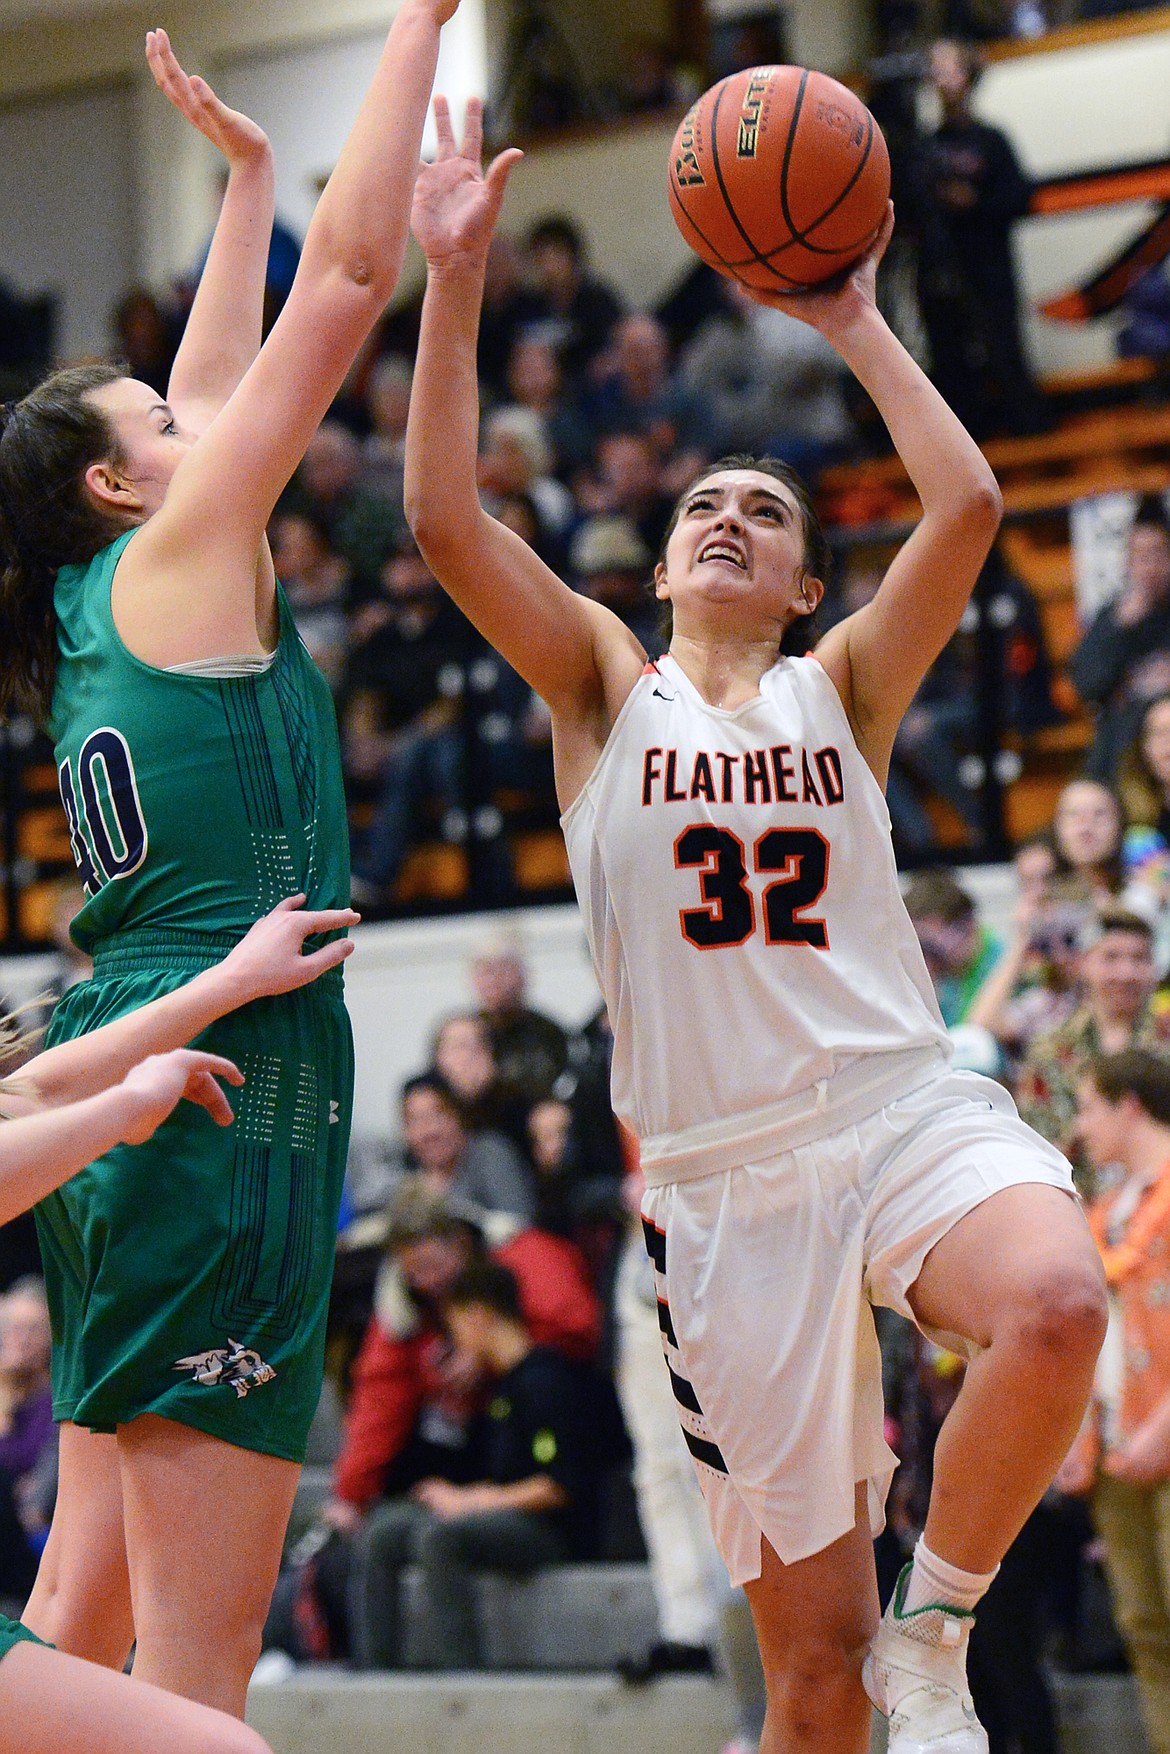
(189, 1276)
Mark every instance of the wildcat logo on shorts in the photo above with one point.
(233, 1363)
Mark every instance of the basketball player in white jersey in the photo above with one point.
(778, 1051)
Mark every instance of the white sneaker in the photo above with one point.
(272, 1667)
(915, 1673)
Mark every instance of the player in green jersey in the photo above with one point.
(62, 1109)
(199, 770)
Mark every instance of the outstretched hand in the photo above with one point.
(455, 203)
(157, 1084)
(830, 307)
(237, 137)
(271, 957)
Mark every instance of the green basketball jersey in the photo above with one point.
(194, 803)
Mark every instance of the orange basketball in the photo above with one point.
(779, 177)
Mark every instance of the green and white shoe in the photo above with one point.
(915, 1673)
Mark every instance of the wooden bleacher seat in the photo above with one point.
(540, 859)
(1110, 450)
(435, 870)
(43, 834)
(1114, 376)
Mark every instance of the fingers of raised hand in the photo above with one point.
(473, 130)
(444, 132)
(501, 169)
(160, 58)
(165, 66)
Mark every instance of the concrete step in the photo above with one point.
(489, 1714)
(567, 1617)
(322, 1711)
(1099, 1714)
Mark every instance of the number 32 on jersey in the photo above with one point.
(106, 827)
(799, 856)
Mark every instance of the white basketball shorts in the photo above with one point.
(766, 1275)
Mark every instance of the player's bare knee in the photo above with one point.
(816, 1686)
(818, 1665)
(1061, 1312)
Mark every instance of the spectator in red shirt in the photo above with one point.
(413, 1397)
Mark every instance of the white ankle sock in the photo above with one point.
(933, 1580)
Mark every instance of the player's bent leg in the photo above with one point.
(1019, 1276)
(81, 1599)
(205, 1521)
(813, 1621)
(55, 1704)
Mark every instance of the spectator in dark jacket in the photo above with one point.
(531, 1050)
(401, 740)
(567, 305)
(1123, 661)
(968, 191)
(533, 1505)
(415, 1400)
(411, 1402)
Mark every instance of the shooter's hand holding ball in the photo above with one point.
(830, 307)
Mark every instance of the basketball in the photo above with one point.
(779, 177)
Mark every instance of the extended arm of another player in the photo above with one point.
(222, 333)
(269, 959)
(544, 630)
(349, 267)
(40, 1151)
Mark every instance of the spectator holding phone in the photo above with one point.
(1143, 783)
(1034, 988)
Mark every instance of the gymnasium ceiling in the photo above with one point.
(24, 11)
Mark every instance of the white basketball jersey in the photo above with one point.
(738, 885)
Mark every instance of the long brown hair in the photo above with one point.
(802, 633)
(47, 520)
(1143, 796)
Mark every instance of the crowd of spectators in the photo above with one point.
(596, 413)
(1069, 1006)
(495, 1336)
